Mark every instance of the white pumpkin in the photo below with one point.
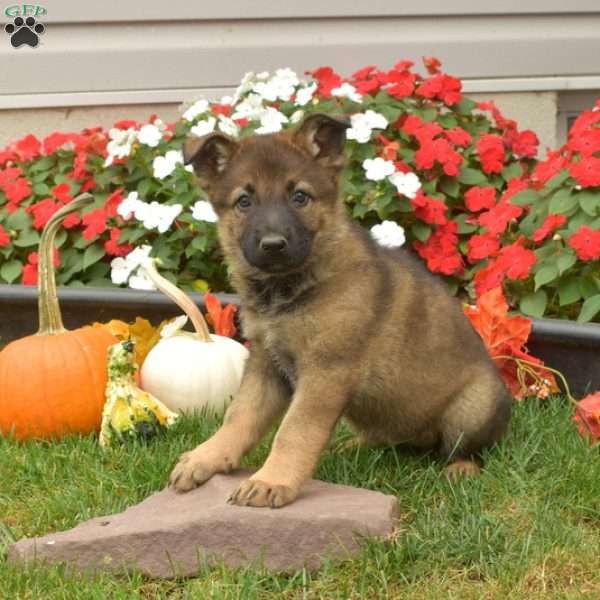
(190, 371)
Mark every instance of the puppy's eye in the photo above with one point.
(243, 203)
(300, 198)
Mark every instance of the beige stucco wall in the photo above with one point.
(537, 111)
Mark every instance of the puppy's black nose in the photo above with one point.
(273, 243)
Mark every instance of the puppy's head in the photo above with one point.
(274, 194)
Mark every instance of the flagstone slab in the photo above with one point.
(170, 534)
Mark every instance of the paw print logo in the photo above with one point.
(24, 31)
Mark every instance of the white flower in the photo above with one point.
(122, 268)
(203, 211)
(296, 116)
(388, 234)
(172, 327)
(227, 126)
(250, 107)
(362, 125)
(199, 107)
(140, 281)
(377, 169)
(272, 121)
(150, 135)
(204, 127)
(158, 216)
(164, 165)
(280, 87)
(227, 100)
(346, 90)
(249, 80)
(120, 144)
(127, 207)
(407, 184)
(304, 95)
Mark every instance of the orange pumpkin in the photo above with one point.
(53, 383)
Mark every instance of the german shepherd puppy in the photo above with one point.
(338, 325)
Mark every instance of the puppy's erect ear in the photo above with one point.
(209, 155)
(324, 137)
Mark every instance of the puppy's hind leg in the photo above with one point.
(475, 420)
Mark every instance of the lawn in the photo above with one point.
(528, 528)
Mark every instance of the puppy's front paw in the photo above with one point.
(462, 469)
(196, 467)
(253, 492)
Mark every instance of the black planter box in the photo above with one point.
(572, 348)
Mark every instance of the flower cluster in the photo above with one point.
(454, 180)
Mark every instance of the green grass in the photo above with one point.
(528, 528)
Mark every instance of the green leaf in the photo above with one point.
(525, 197)
(566, 260)
(568, 291)
(450, 186)
(513, 170)
(553, 183)
(588, 286)
(562, 202)
(92, 255)
(534, 305)
(589, 202)
(421, 231)
(19, 220)
(11, 270)
(41, 189)
(61, 238)
(27, 238)
(545, 275)
(465, 106)
(590, 308)
(470, 176)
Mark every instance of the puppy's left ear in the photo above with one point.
(209, 155)
(324, 137)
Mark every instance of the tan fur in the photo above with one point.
(358, 331)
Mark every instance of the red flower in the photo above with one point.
(327, 79)
(516, 261)
(458, 136)
(441, 86)
(4, 237)
(9, 175)
(514, 186)
(550, 225)
(364, 73)
(437, 150)
(221, 109)
(477, 198)
(79, 166)
(42, 211)
(523, 144)
(482, 246)
(401, 83)
(62, 193)
(440, 250)
(548, 168)
(587, 417)
(112, 203)
(496, 219)
(491, 153)
(30, 270)
(112, 247)
(432, 64)
(71, 221)
(488, 278)
(27, 148)
(429, 210)
(6, 156)
(16, 192)
(586, 172)
(127, 124)
(54, 141)
(584, 122)
(587, 142)
(586, 243)
(90, 184)
(95, 223)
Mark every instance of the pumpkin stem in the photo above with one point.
(187, 305)
(48, 308)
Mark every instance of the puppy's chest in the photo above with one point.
(283, 358)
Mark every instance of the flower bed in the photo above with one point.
(460, 179)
